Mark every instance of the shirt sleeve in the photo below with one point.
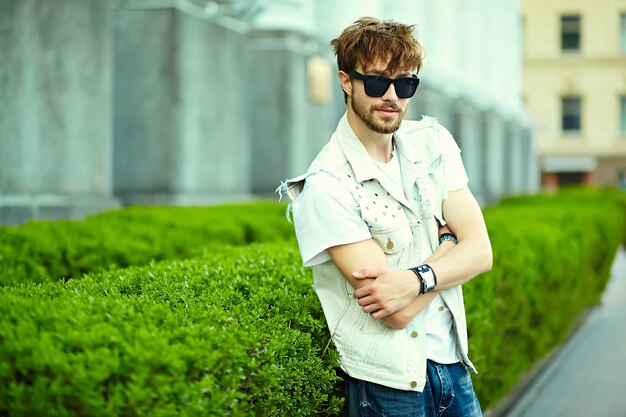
(454, 170)
(325, 215)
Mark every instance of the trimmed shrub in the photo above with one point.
(240, 332)
(50, 250)
(235, 334)
(552, 259)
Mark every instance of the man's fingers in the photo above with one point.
(363, 301)
(370, 308)
(362, 292)
(381, 314)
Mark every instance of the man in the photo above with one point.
(385, 219)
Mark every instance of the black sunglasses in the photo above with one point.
(376, 86)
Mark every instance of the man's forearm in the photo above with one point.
(472, 255)
(461, 263)
(403, 317)
(394, 289)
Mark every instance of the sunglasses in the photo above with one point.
(376, 86)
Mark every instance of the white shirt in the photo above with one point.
(346, 226)
(350, 192)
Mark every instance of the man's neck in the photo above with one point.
(378, 145)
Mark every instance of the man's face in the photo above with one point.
(380, 114)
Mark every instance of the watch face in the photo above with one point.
(429, 278)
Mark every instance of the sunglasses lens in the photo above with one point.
(405, 87)
(376, 87)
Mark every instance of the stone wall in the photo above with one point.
(55, 115)
(117, 102)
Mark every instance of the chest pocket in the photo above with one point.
(395, 242)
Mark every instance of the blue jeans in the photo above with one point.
(448, 393)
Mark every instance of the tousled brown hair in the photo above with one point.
(369, 39)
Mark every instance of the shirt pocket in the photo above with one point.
(394, 242)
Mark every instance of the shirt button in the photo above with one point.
(413, 384)
(440, 308)
(389, 244)
(414, 334)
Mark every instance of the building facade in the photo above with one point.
(120, 102)
(575, 89)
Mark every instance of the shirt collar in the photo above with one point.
(361, 162)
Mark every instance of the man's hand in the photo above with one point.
(392, 290)
(368, 258)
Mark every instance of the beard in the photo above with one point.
(375, 123)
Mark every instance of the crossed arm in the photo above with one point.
(392, 294)
(368, 255)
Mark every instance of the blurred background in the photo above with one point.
(107, 103)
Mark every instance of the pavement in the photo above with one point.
(586, 377)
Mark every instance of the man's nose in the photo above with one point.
(390, 94)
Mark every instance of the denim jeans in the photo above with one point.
(448, 393)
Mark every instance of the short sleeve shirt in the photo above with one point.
(327, 214)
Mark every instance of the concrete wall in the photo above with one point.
(288, 128)
(181, 130)
(170, 102)
(55, 114)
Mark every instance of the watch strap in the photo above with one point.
(427, 277)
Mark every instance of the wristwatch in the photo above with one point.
(427, 277)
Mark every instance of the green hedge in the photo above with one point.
(237, 334)
(551, 262)
(42, 250)
(239, 331)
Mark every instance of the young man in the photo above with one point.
(385, 218)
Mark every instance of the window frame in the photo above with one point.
(571, 100)
(568, 32)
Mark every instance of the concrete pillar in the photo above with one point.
(55, 118)
(495, 156)
(470, 138)
(520, 175)
(146, 102)
(508, 155)
(288, 126)
(532, 177)
(518, 159)
(180, 100)
(295, 86)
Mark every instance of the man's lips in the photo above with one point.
(387, 110)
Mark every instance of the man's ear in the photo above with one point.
(346, 85)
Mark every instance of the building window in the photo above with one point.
(570, 33)
(623, 115)
(570, 109)
(572, 178)
(623, 32)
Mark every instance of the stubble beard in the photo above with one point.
(368, 116)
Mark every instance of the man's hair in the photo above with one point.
(369, 39)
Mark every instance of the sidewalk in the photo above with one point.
(587, 376)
